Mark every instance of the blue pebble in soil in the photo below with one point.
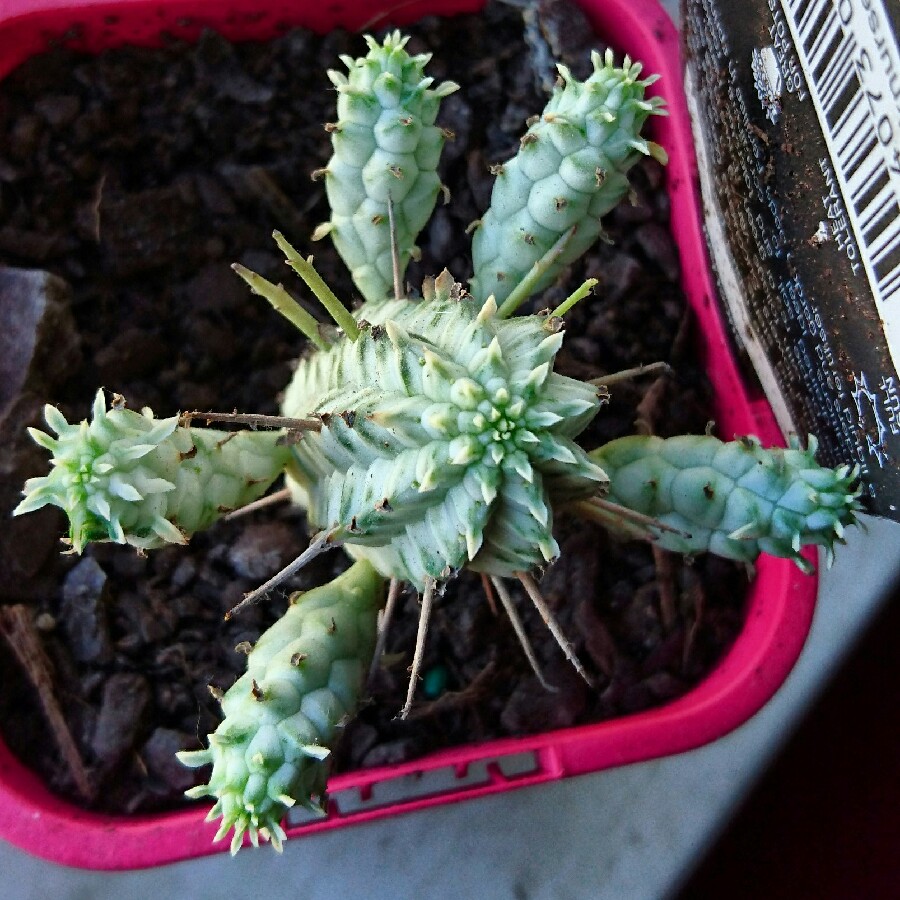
(434, 682)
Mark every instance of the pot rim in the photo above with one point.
(780, 600)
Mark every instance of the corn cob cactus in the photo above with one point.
(446, 440)
(302, 684)
(129, 478)
(386, 148)
(571, 169)
(735, 499)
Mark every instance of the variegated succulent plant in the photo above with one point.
(425, 434)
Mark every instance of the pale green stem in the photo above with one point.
(283, 303)
(526, 286)
(574, 297)
(305, 269)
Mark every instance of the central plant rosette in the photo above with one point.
(446, 437)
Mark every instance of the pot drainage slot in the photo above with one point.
(481, 776)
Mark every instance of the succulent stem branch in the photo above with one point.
(570, 170)
(733, 498)
(284, 714)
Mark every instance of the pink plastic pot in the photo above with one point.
(781, 599)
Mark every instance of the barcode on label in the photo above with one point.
(852, 66)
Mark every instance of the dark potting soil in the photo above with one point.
(137, 177)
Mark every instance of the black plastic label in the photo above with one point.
(796, 115)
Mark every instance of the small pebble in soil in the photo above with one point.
(158, 754)
(264, 549)
(126, 699)
(85, 596)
